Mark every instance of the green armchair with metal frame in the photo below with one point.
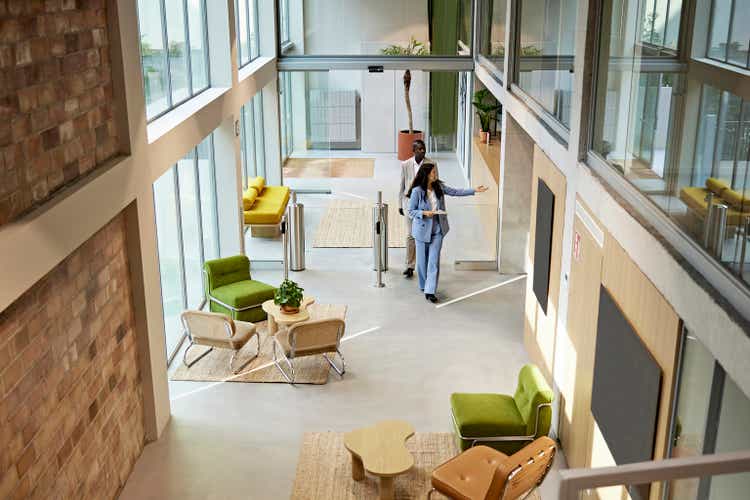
(503, 422)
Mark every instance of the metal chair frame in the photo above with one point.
(290, 378)
(186, 331)
(493, 439)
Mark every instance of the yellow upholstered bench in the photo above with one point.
(263, 207)
(739, 203)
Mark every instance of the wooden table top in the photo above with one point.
(382, 447)
(289, 319)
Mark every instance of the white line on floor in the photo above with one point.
(351, 194)
(520, 277)
(265, 365)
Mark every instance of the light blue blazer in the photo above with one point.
(421, 227)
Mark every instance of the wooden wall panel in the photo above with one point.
(576, 420)
(652, 317)
(539, 329)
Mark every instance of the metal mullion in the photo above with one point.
(257, 28)
(247, 25)
(666, 26)
(180, 240)
(719, 118)
(729, 32)
(198, 208)
(206, 59)
(243, 137)
(188, 49)
(212, 163)
(693, 179)
(165, 39)
(262, 136)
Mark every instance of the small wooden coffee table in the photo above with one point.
(381, 451)
(277, 318)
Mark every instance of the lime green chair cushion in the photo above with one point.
(533, 391)
(220, 272)
(244, 293)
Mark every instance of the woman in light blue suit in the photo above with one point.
(430, 223)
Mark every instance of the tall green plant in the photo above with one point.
(486, 106)
(414, 48)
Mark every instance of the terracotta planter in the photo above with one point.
(289, 310)
(405, 142)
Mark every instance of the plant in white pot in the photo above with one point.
(486, 106)
(407, 137)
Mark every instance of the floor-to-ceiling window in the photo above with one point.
(246, 19)
(187, 231)
(251, 139)
(492, 34)
(545, 54)
(174, 52)
(730, 32)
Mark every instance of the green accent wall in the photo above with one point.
(444, 26)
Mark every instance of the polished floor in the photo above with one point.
(404, 355)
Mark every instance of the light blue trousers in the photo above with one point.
(428, 262)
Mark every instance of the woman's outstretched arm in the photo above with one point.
(450, 191)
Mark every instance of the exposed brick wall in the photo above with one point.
(71, 401)
(56, 111)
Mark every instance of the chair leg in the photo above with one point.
(429, 493)
(338, 370)
(278, 365)
(185, 354)
(239, 369)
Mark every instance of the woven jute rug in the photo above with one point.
(329, 167)
(348, 224)
(215, 366)
(324, 469)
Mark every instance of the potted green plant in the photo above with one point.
(288, 296)
(486, 106)
(407, 137)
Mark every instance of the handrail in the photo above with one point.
(572, 481)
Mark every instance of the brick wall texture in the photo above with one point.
(56, 111)
(71, 401)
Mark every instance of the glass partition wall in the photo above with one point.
(681, 141)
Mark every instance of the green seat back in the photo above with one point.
(532, 391)
(220, 272)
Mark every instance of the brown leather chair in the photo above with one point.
(483, 473)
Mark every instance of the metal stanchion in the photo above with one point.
(297, 234)
(285, 247)
(718, 229)
(743, 246)
(707, 221)
(380, 239)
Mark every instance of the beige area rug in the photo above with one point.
(348, 224)
(215, 366)
(329, 167)
(324, 469)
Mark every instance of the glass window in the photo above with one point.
(415, 27)
(174, 52)
(493, 37)
(247, 30)
(721, 13)
(546, 47)
(737, 51)
(170, 264)
(260, 148)
(730, 32)
(251, 139)
(187, 233)
(153, 57)
(198, 52)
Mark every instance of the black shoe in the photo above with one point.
(431, 297)
(409, 272)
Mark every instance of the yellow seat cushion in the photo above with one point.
(695, 198)
(279, 194)
(256, 182)
(716, 186)
(248, 198)
(738, 200)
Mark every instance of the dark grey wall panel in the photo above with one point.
(545, 216)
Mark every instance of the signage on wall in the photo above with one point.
(577, 246)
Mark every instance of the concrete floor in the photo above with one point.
(239, 440)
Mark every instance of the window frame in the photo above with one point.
(728, 39)
(171, 104)
(250, 32)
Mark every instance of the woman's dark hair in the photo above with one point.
(421, 180)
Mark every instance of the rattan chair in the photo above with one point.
(483, 473)
(217, 330)
(309, 338)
